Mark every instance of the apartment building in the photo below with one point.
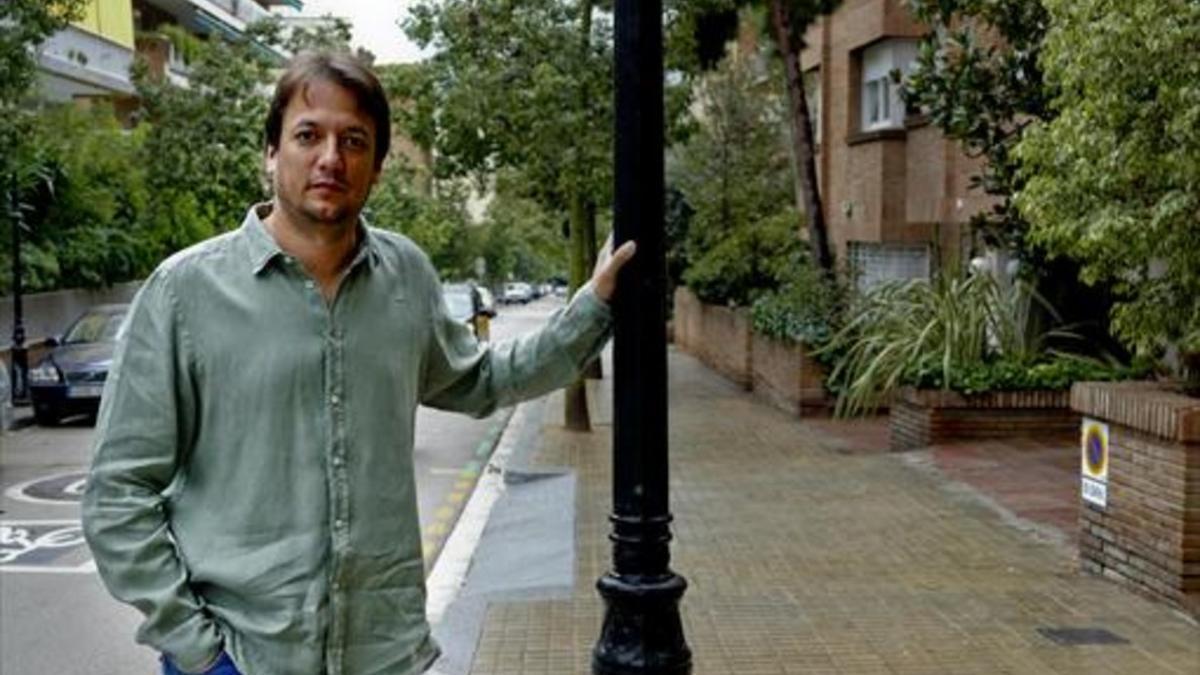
(91, 58)
(895, 190)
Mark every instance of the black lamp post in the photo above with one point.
(642, 632)
(19, 357)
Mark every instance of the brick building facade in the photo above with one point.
(895, 190)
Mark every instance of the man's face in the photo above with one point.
(324, 166)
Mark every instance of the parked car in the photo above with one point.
(68, 381)
(517, 292)
(465, 303)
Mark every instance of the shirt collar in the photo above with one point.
(263, 248)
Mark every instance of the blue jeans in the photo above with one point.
(223, 666)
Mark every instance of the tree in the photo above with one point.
(527, 87)
(439, 224)
(84, 233)
(520, 239)
(734, 173)
(1114, 179)
(410, 89)
(697, 42)
(790, 20)
(978, 78)
(26, 174)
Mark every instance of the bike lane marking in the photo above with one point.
(58, 489)
(54, 546)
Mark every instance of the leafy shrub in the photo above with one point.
(805, 310)
(940, 329)
(747, 262)
(1057, 373)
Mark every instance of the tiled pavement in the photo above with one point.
(807, 552)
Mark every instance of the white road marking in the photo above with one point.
(450, 572)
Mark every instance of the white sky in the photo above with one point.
(375, 24)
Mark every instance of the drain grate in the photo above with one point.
(1074, 637)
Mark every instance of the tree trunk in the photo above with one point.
(575, 410)
(809, 194)
(594, 371)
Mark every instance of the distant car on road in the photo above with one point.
(517, 292)
(69, 380)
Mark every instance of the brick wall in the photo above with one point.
(787, 376)
(722, 339)
(905, 185)
(1147, 536)
(930, 417)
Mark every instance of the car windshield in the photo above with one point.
(459, 305)
(95, 327)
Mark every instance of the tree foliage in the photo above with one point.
(86, 231)
(735, 176)
(509, 80)
(978, 78)
(439, 223)
(203, 144)
(1114, 179)
(28, 173)
(519, 239)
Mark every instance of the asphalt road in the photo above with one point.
(56, 617)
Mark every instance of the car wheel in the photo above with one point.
(46, 416)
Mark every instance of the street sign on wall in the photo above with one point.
(1093, 462)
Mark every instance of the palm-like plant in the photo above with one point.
(944, 324)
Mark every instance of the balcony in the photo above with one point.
(227, 18)
(76, 63)
(294, 4)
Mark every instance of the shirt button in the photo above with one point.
(339, 524)
(337, 585)
(337, 461)
(334, 399)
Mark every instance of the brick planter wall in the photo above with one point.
(722, 339)
(922, 417)
(784, 374)
(1147, 537)
(718, 336)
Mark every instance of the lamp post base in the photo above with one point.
(642, 633)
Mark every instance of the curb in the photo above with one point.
(449, 572)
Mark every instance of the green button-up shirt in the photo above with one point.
(252, 486)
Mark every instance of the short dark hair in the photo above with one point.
(339, 68)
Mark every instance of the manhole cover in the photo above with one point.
(1071, 637)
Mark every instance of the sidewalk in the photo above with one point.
(807, 550)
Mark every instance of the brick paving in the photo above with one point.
(806, 552)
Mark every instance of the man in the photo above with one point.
(252, 489)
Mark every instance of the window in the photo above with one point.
(878, 103)
(812, 95)
(884, 65)
(873, 264)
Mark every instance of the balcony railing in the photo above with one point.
(80, 63)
